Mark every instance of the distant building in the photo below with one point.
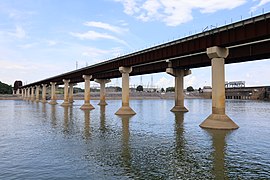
(207, 89)
(234, 84)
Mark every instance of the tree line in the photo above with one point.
(5, 88)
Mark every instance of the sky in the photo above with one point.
(44, 38)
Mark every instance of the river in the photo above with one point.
(41, 141)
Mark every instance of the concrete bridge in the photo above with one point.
(246, 40)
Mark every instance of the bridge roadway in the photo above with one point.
(242, 41)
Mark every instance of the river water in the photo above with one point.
(40, 141)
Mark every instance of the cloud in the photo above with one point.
(51, 42)
(174, 12)
(130, 6)
(164, 82)
(27, 46)
(93, 35)
(105, 26)
(261, 3)
(18, 33)
(98, 55)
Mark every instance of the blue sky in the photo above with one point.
(44, 38)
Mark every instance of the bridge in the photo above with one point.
(247, 40)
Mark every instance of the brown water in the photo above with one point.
(51, 142)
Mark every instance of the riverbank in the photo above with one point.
(118, 95)
(10, 97)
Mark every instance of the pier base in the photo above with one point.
(125, 110)
(179, 109)
(219, 121)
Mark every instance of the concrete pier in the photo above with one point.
(44, 88)
(37, 93)
(179, 88)
(32, 94)
(87, 105)
(28, 94)
(125, 109)
(23, 94)
(102, 83)
(218, 119)
(71, 100)
(66, 95)
(53, 94)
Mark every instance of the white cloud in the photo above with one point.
(18, 33)
(261, 3)
(105, 26)
(95, 52)
(92, 35)
(130, 6)
(175, 12)
(51, 42)
(27, 46)
(164, 82)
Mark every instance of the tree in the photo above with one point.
(5, 89)
(170, 89)
(139, 88)
(190, 88)
(162, 90)
(118, 89)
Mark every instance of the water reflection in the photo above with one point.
(87, 131)
(179, 134)
(66, 120)
(53, 116)
(219, 146)
(126, 152)
(102, 118)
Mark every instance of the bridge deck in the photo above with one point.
(247, 40)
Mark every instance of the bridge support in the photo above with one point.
(44, 88)
(18, 92)
(66, 98)
(87, 105)
(23, 95)
(102, 83)
(218, 119)
(37, 93)
(71, 100)
(32, 94)
(179, 87)
(125, 109)
(28, 94)
(53, 94)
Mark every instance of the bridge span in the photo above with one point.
(247, 40)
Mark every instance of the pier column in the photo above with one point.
(125, 109)
(53, 93)
(66, 100)
(32, 94)
(18, 92)
(44, 88)
(37, 93)
(87, 105)
(102, 83)
(22, 93)
(218, 119)
(179, 88)
(28, 94)
(71, 85)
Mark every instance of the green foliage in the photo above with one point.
(118, 89)
(190, 88)
(139, 88)
(170, 89)
(5, 89)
